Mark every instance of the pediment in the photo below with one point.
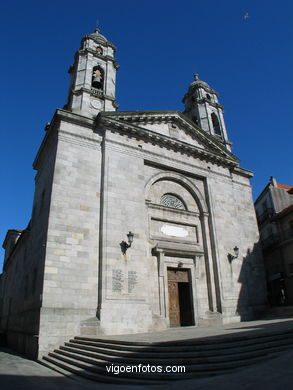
(169, 127)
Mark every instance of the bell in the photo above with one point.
(97, 82)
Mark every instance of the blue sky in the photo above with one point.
(160, 45)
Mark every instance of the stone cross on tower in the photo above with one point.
(93, 77)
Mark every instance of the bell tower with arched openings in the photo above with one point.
(203, 108)
(93, 77)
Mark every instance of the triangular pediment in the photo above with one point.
(169, 127)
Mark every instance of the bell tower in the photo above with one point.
(93, 77)
(203, 108)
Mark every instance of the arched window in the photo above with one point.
(99, 50)
(173, 201)
(98, 77)
(216, 124)
(208, 97)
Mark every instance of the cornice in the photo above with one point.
(177, 117)
(173, 210)
(243, 172)
(72, 117)
(60, 115)
(205, 100)
(163, 140)
(167, 246)
(92, 92)
(205, 87)
(97, 55)
(99, 40)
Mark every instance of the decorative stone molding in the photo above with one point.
(182, 180)
(208, 155)
(179, 119)
(100, 56)
(172, 201)
(93, 92)
(204, 86)
(204, 100)
(99, 40)
(178, 211)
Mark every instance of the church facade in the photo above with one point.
(141, 220)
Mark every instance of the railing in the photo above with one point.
(97, 92)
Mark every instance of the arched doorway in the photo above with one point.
(176, 219)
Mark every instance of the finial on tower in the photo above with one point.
(97, 30)
(196, 77)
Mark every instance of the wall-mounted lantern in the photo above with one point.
(235, 256)
(124, 246)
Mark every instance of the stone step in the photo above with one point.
(175, 348)
(101, 372)
(88, 357)
(67, 369)
(189, 342)
(169, 358)
(193, 370)
(103, 360)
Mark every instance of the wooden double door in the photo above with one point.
(180, 297)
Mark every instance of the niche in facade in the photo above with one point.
(98, 77)
(216, 125)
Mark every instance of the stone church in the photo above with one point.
(141, 220)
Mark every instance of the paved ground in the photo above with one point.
(19, 373)
(198, 332)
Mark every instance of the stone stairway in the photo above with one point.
(88, 357)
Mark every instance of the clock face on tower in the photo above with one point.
(96, 104)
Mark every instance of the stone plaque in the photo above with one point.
(175, 231)
(117, 280)
(161, 229)
(132, 280)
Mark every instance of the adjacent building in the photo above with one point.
(141, 220)
(274, 209)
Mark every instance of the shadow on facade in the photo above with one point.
(252, 300)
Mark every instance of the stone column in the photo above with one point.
(161, 282)
(211, 288)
